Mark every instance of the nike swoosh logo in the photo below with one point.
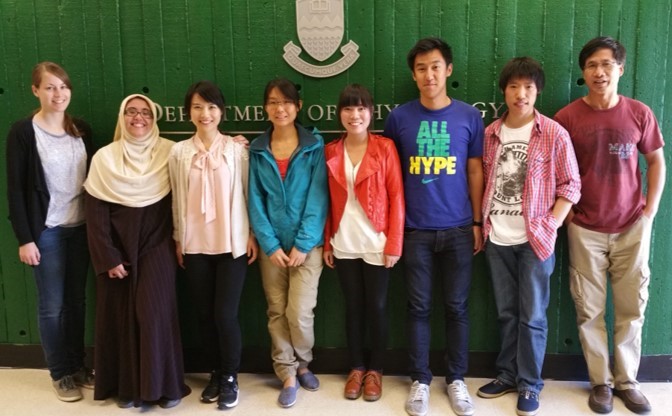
(426, 181)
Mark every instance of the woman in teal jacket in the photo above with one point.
(288, 199)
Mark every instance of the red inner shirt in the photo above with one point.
(282, 167)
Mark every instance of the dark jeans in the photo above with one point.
(216, 284)
(522, 289)
(365, 290)
(61, 289)
(451, 251)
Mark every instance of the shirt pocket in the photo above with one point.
(539, 168)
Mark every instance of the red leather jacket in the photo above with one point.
(378, 187)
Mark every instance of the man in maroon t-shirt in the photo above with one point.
(609, 230)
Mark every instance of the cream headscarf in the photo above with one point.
(131, 171)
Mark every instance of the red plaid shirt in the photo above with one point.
(552, 172)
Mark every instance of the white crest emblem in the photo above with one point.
(320, 26)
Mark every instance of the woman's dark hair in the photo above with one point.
(602, 42)
(522, 67)
(286, 87)
(208, 90)
(57, 71)
(354, 95)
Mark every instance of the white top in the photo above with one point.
(356, 238)
(64, 163)
(506, 211)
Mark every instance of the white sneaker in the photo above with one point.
(459, 398)
(417, 403)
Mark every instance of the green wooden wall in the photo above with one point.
(112, 48)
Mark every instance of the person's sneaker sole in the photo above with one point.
(521, 413)
(222, 406)
(167, 404)
(495, 395)
(68, 399)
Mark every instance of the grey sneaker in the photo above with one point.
(84, 378)
(459, 398)
(417, 403)
(66, 390)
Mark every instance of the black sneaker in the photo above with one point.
(528, 403)
(228, 392)
(495, 388)
(211, 391)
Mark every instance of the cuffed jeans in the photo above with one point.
(291, 293)
(450, 250)
(521, 283)
(216, 285)
(625, 257)
(61, 289)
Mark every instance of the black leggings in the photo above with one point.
(365, 289)
(216, 284)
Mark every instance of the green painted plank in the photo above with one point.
(481, 49)
(650, 62)
(557, 59)
(45, 23)
(385, 81)
(200, 22)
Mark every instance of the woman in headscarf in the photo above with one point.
(138, 356)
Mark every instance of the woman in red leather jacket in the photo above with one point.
(363, 234)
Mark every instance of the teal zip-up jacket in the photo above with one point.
(289, 213)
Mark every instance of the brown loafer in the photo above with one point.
(373, 386)
(353, 386)
(601, 399)
(634, 400)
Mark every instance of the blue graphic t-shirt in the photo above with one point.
(434, 146)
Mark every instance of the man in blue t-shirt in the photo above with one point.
(440, 143)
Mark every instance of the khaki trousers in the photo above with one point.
(291, 293)
(622, 259)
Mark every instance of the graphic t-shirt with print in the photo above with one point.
(506, 210)
(434, 146)
(607, 144)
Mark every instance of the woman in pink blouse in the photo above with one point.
(208, 175)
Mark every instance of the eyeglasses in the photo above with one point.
(144, 113)
(276, 104)
(608, 66)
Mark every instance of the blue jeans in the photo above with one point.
(521, 284)
(61, 289)
(452, 251)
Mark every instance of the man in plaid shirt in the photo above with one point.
(532, 180)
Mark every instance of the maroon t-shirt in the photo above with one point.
(607, 145)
